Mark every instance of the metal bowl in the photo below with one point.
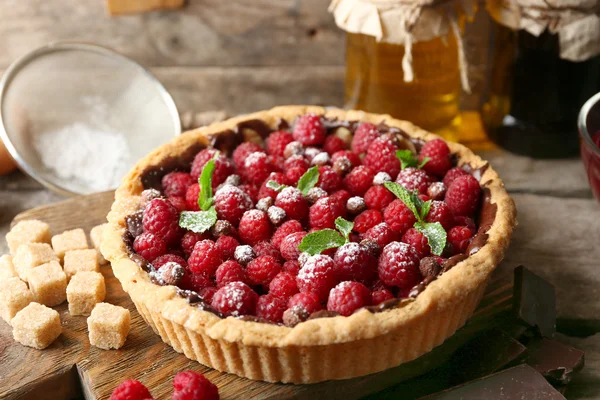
(77, 116)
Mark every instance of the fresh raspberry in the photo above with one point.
(318, 275)
(268, 192)
(378, 198)
(382, 234)
(381, 156)
(277, 141)
(189, 240)
(414, 179)
(355, 262)
(254, 227)
(329, 180)
(359, 180)
(308, 301)
(291, 266)
(271, 308)
(309, 130)
(341, 197)
(207, 293)
(176, 183)
(463, 195)
(293, 175)
(460, 237)
(195, 282)
(250, 190)
(265, 248)
(162, 260)
(205, 258)
(283, 285)
(288, 227)
(323, 213)
(241, 153)
(293, 203)
(380, 295)
(178, 202)
(364, 135)
(131, 390)
(162, 219)
(399, 265)
(348, 297)
(191, 197)
(277, 162)
(333, 144)
(418, 241)
(366, 220)
(398, 216)
(296, 161)
(452, 174)
(231, 203)
(465, 221)
(200, 161)
(149, 246)
(440, 212)
(353, 158)
(230, 271)
(257, 168)
(226, 246)
(235, 299)
(439, 157)
(190, 385)
(289, 245)
(223, 168)
(262, 270)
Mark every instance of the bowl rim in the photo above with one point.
(582, 122)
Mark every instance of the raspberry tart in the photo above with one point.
(273, 244)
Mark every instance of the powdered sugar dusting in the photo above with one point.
(254, 159)
(289, 194)
(381, 177)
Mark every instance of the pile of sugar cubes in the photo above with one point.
(44, 271)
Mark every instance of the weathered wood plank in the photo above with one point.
(586, 384)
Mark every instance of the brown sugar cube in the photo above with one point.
(69, 240)
(14, 296)
(80, 260)
(108, 326)
(36, 326)
(28, 231)
(48, 283)
(85, 290)
(96, 236)
(7, 269)
(32, 255)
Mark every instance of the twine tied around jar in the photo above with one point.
(405, 22)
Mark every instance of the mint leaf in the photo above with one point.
(276, 186)
(317, 242)
(205, 199)
(424, 208)
(422, 163)
(345, 227)
(408, 198)
(308, 180)
(435, 234)
(198, 221)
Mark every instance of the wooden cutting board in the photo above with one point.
(71, 368)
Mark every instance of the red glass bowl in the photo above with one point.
(589, 138)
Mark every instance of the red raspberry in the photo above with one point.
(162, 219)
(293, 175)
(283, 285)
(231, 203)
(131, 390)
(149, 246)
(176, 183)
(277, 141)
(293, 203)
(257, 168)
(341, 198)
(440, 212)
(378, 198)
(268, 192)
(250, 190)
(366, 220)
(317, 275)
(355, 262)
(380, 295)
(262, 270)
(381, 157)
(364, 135)
(382, 234)
(277, 162)
(399, 265)
(439, 157)
(190, 385)
(178, 202)
(296, 161)
(414, 179)
(309, 130)
(289, 245)
(207, 294)
(329, 181)
(226, 246)
(452, 174)
(230, 271)
(265, 248)
(323, 213)
(465, 221)
(271, 308)
(333, 144)
(200, 161)
(459, 237)
(223, 168)
(462, 196)
(419, 242)
(205, 258)
(307, 300)
(348, 297)
(353, 158)
(398, 216)
(191, 197)
(291, 266)
(254, 227)
(189, 240)
(235, 299)
(359, 180)
(285, 229)
(162, 260)
(242, 151)
(196, 282)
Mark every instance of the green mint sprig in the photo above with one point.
(319, 241)
(201, 221)
(409, 159)
(433, 231)
(306, 182)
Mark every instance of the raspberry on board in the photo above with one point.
(347, 297)
(287, 228)
(231, 203)
(293, 203)
(283, 285)
(191, 385)
(323, 213)
(318, 275)
(149, 246)
(438, 153)
(378, 198)
(262, 270)
(399, 265)
(230, 271)
(162, 219)
(289, 245)
(414, 179)
(463, 195)
(277, 141)
(235, 299)
(364, 135)
(205, 258)
(308, 301)
(355, 263)
(131, 390)
(366, 220)
(254, 227)
(242, 151)
(271, 308)
(176, 183)
(359, 180)
(399, 217)
(382, 234)
(309, 130)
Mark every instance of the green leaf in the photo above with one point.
(205, 199)
(317, 242)
(345, 227)
(424, 209)
(407, 158)
(435, 234)
(276, 186)
(198, 221)
(408, 198)
(422, 163)
(308, 180)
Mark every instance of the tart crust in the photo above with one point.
(318, 349)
